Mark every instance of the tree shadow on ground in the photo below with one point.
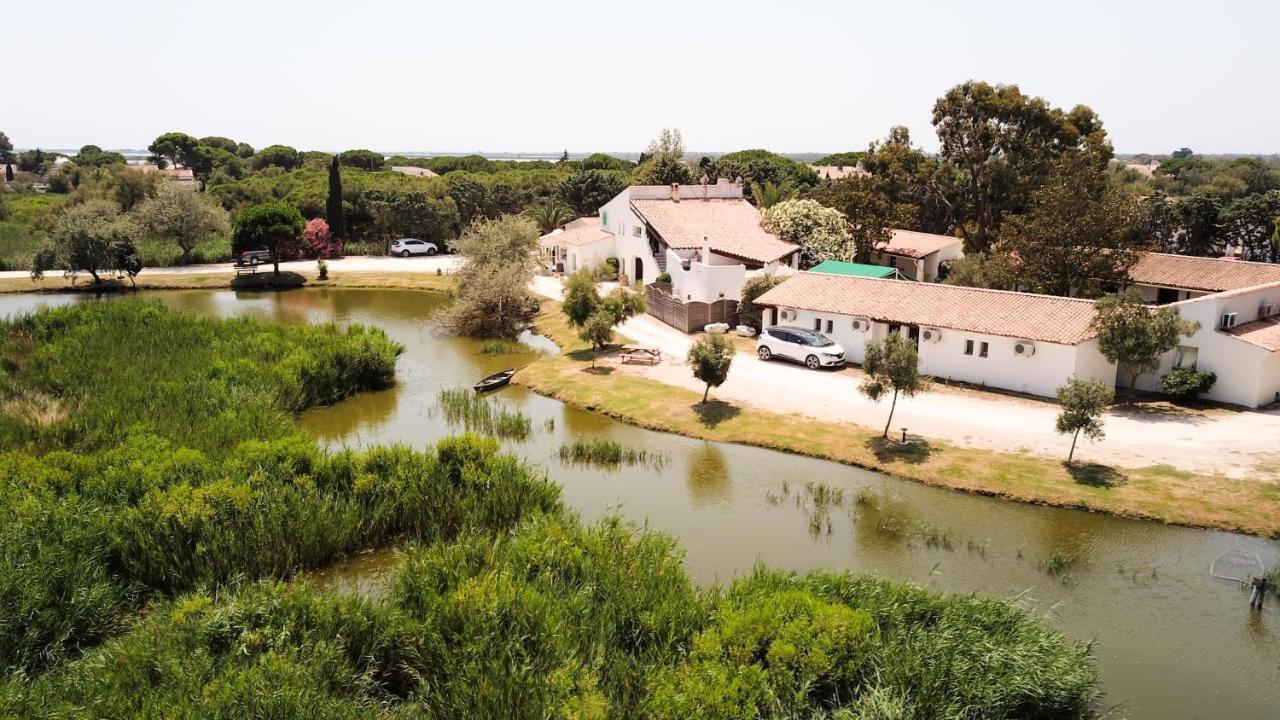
(915, 451)
(713, 412)
(267, 280)
(1095, 475)
(1155, 412)
(598, 370)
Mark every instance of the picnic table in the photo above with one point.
(641, 354)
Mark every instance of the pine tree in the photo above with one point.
(333, 207)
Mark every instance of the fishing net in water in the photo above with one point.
(1237, 565)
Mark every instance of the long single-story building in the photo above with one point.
(993, 338)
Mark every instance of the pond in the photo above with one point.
(1171, 640)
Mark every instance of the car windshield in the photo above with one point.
(814, 339)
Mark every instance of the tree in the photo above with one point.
(333, 202)
(663, 162)
(188, 218)
(892, 364)
(8, 172)
(1197, 228)
(1134, 336)
(748, 312)
(710, 358)
(1185, 152)
(221, 143)
(274, 226)
(470, 195)
(363, 159)
(318, 241)
(580, 297)
(919, 187)
(768, 194)
(587, 190)
(1249, 224)
(994, 271)
(1003, 143)
(564, 157)
(6, 149)
(278, 155)
(172, 149)
(549, 214)
(493, 298)
(594, 316)
(601, 161)
(1078, 235)
(821, 232)
(94, 156)
(90, 237)
(841, 159)
(868, 209)
(1082, 402)
(762, 166)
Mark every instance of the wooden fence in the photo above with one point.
(688, 317)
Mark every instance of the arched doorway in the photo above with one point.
(638, 275)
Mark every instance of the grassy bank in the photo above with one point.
(1154, 493)
(23, 231)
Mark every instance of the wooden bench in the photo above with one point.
(250, 269)
(641, 354)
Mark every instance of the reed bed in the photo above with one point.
(558, 619)
(463, 407)
(608, 453)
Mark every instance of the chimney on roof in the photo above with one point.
(706, 251)
(675, 192)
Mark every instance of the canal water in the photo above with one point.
(1171, 640)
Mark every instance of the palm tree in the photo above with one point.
(769, 194)
(549, 215)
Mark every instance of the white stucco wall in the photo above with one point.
(1040, 374)
(589, 255)
(616, 216)
(1246, 372)
(705, 283)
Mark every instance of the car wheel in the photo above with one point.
(431, 251)
(765, 353)
(404, 253)
(812, 362)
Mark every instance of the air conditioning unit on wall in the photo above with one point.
(861, 324)
(1228, 321)
(932, 335)
(787, 314)
(1024, 348)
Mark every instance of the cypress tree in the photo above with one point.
(333, 208)
(8, 172)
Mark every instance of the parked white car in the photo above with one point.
(404, 247)
(813, 349)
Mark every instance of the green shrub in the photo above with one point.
(663, 278)
(748, 313)
(1187, 383)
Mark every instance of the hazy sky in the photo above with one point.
(790, 75)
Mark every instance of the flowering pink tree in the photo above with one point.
(318, 242)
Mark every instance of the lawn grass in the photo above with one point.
(1153, 493)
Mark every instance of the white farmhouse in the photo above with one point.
(706, 239)
(917, 255)
(993, 338)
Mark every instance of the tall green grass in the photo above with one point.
(465, 408)
(558, 620)
(173, 464)
(607, 453)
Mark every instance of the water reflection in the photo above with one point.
(708, 473)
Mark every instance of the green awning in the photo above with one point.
(836, 267)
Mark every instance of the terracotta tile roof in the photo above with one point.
(909, 243)
(583, 231)
(730, 226)
(991, 312)
(1199, 273)
(1264, 333)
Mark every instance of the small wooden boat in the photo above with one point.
(495, 381)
